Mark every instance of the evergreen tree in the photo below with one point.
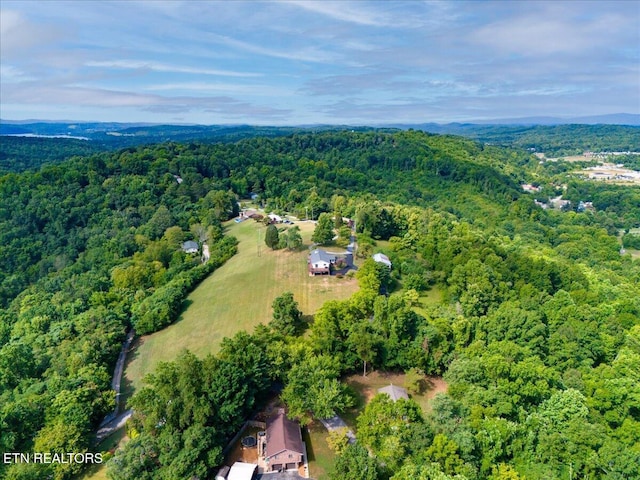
(272, 237)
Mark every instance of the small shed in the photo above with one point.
(190, 247)
(382, 258)
(395, 392)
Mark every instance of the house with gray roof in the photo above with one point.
(190, 247)
(319, 262)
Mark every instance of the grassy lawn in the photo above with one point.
(635, 254)
(433, 296)
(321, 458)
(236, 297)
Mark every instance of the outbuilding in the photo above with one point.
(394, 392)
(242, 471)
(382, 258)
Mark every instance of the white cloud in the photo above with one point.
(262, 90)
(163, 67)
(11, 74)
(344, 12)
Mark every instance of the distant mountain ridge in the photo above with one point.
(75, 128)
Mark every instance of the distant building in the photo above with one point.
(395, 392)
(530, 188)
(382, 258)
(275, 218)
(190, 247)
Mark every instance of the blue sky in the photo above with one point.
(302, 62)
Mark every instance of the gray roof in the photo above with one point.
(318, 255)
(189, 245)
(394, 392)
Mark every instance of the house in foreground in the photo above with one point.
(283, 448)
(320, 262)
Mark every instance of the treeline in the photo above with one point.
(162, 307)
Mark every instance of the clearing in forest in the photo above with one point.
(367, 387)
(237, 296)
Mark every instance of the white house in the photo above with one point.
(190, 247)
(320, 262)
(382, 258)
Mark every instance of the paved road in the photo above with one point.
(114, 424)
(113, 421)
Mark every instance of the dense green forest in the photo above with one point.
(538, 335)
(18, 154)
(23, 153)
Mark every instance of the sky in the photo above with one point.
(300, 62)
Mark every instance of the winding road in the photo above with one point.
(115, 420)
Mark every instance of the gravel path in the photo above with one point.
(335, 423)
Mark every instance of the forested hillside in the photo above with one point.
(538, 335)
(22, 153)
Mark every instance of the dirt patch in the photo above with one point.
(368, 386)
(435, 385)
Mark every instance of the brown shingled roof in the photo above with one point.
(283, 434)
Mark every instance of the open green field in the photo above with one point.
(237, 296)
